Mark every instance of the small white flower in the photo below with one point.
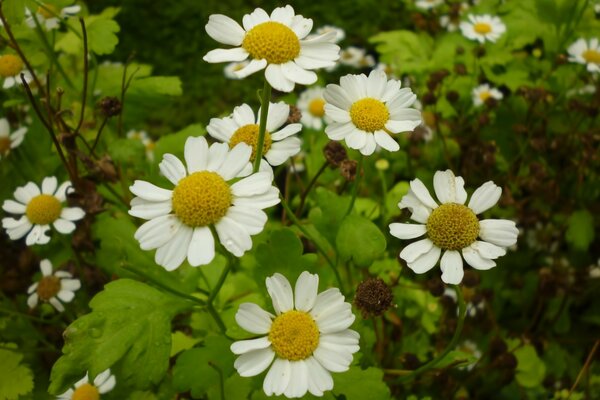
(339, 32)
(428, 4)
(148, 143)
(277, 42)
(471, 308)
(470, 347)
(38, 209)
(483, 92)
(180, 220)
(367, 110)
(9, 141)
(356, 57)
(451, 21)
(231, 69)
(11, 68)
(482, 28)
(308, 337)
(452, 227)
(53, 288)
(83, 389)
(312, 105)
(242, 127)
(389, 71)
(588, 53)
(49, 16)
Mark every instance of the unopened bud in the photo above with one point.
(334, 153)
(348, 169)
(295, 115)
(373, 297)
(110, 106)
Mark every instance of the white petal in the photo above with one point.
(277, 79)
(420, 212)
(236, 160)
(254, 362)
(444, 184)
(11, 206)
(326, 301)
(258, 16)
(253, 319)
(172, 168)
(252, 67)
(500, 232)
(49, 185)
(336, 318)
(305, 292)
(25, 193)
(277, 378)
(63, 226)
(32, 300)
(425, 262)
(108, 385)
(339, 131)
(32, 288)
(245, 346)
(416, 249)
(16, 229)
(236, 54)
(72, 213)
(298, 385)
(150, 192)
(319, 379)
(283, 15)
(277, 116)
(252, 220)
(157, 232)
(281, 151)
(37, 235)
(46, 267)
(488, 250)
(301, 26)
(202, 247)
(386, 141)
(70, 284)
(475, 260)
(338, 97)
(65, 296)
(221, 129)
(254, 184)
(243, 115)
(280, 290)
(225, 30)
(149, 209)
(196, 154)
(174, 252)
(56, 304)
(297, 74)
(370, 145)
(407, 231)
(62, 191)
(336, 113)
(356, 139)
(452, 267)
(233, 236)
(422, 193)
(376, 84)
(260, 201)
(217, 153)
(485, 197)
(286, 132)
(331, 360)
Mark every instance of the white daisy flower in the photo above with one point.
(180, 220)
(588, 53)
(9, 141)
(367, 111)
(312, 105)
(339, 32)
(49, 16)
(278, 43)
(483, 92)
(242, 127)
(53, 288)
(84, 390)
(428, 4)
(11, 68)
(231, 69)
(482, 28)
(452, 227)
(143, 137)
(356, 57)
(38, 209)
(308, 337)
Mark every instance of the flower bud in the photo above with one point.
(373, 297)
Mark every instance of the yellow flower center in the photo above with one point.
(294, 335)
(369, 114)
(483, 96)
(43, 209)
(48, 287)
(10, 65)
(273, 42)
(482, 28)
(201, 199)
(47, 11)
(452, 226)
(86, 391)
(317, 107)
(4, 145)
(249, 135)
(591, 56)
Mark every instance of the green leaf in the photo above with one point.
(193, 370)
(580, 230)
(174, 143)
(236, 387)
(164, 85)
(359, 384)
(102, 38)
(405, 48)
(328, 216)
(282, 253)
(180, 342)
(16, 379)
(130, 323)
(530, 368)
(393, 197)
(359, 240)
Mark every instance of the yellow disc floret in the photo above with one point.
(43, 209)
(294, 335)
(591, 56)
(452, 226)
(10, 65)
(86, 392)
(483, 96)
(48, 287)
(249, 135)
(369, 114)
(47, 11)
(201, 199)
(317, 107)
(482, 28)
(273, 42)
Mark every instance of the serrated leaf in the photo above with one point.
(15, 379)
(410, 50)
(130, 323)
(164, 85)
(531, 370)
(282, 253)
(180, 342)
(102, 38)
(359, 384)
(193, 370)
(580, 230)
(359, 240)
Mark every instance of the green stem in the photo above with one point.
(221, 383)
(262, 127)
(384, 190)
(356, 184)
(451, 345)
(309, 187)
(220, 282)
(320, 249)
(216, 317)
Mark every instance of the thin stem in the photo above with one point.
(262, 127)
(85, 75)
(217, 288)
(211, 310)
(309, 187)
(320, 249)
(356, 184)
(98, 135)
(221, 382)
(585, 367)
(451, 345)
